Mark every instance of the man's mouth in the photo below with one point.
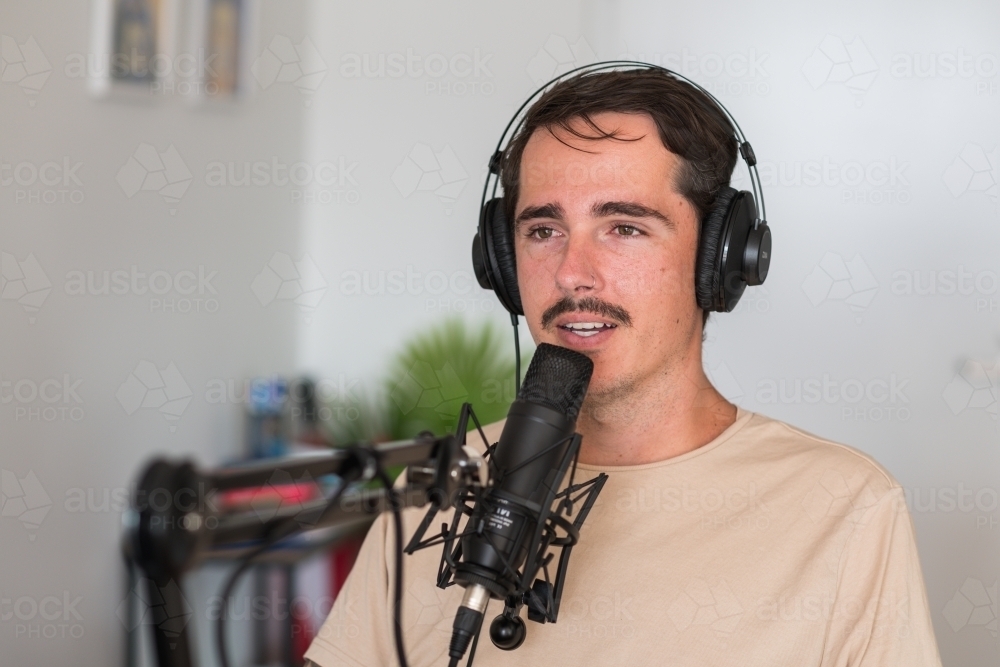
(587, 329)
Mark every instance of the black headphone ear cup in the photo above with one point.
(706, 283)
(502, 263)
(479, 263)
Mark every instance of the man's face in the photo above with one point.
(603, 238)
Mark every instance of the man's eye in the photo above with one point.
(627, 230)
(541, 232)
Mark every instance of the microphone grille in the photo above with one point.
(557, 378)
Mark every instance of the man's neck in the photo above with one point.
(666, 417)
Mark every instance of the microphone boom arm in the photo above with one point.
(166, 540)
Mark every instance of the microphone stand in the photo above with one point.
(173, 520)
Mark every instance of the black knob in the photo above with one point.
(507, 632)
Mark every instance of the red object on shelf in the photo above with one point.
(302, 636)
(341, 561)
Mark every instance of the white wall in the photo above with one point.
(98, 340)
(464, 79)
(917, 210)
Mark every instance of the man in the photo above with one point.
(721, 536)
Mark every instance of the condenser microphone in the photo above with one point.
(525, 467)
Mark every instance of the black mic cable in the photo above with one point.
(517, 355)
(397, 593)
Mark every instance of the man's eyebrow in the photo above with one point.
(628, 208)
(550, 211)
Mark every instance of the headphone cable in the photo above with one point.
(517, 356)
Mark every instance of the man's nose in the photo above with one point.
(577, 272)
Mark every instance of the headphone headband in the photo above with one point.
(745, 149)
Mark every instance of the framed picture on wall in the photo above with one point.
(134, 52)
(222, 35)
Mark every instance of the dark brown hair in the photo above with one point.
(690, 125)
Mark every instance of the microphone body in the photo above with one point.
(525, 466)
(510, 510)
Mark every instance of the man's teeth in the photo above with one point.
(587, 329)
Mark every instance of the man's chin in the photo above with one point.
(608, 389)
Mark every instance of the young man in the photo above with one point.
(721, 536)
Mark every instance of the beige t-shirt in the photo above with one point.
(767, 546)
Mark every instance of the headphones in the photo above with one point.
(734, 246)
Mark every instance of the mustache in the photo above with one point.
(587, 304)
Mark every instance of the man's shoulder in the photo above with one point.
(836, 467)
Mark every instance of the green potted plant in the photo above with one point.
(428, 380)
